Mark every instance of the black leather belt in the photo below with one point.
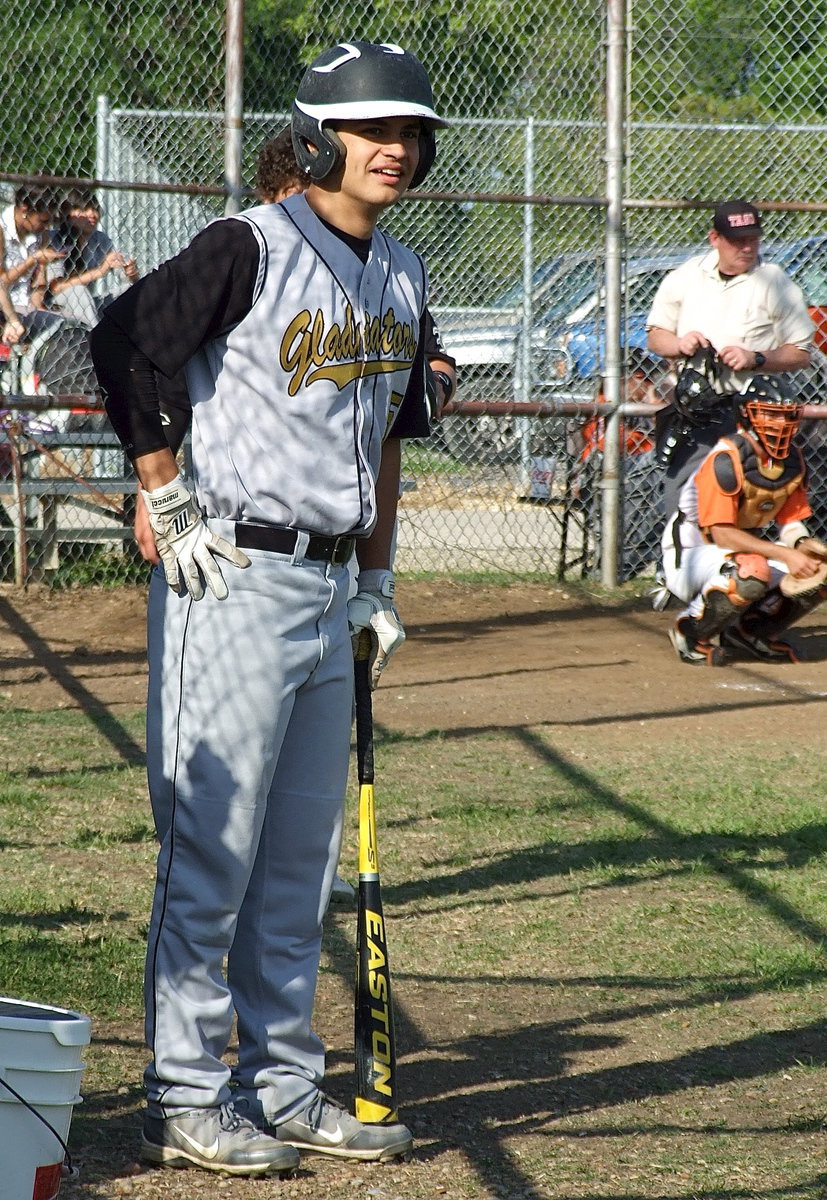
(281, 540)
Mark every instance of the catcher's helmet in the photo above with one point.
(769, 408)
(354, 81)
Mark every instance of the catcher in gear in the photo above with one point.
(741, 589)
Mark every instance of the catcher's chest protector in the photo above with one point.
(765, 486)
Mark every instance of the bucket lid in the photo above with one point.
(67, 1027)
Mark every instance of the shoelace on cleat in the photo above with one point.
(229, 1120)
(315, 1110)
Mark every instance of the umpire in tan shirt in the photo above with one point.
(749, 311)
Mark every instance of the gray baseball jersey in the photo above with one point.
(335, 343)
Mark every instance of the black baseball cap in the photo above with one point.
(737, 219)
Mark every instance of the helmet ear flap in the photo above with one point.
(319, 151)
(427, 156)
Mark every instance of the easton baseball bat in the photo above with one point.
(373, 1018)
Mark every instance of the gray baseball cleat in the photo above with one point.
(324, 1127)
(215, 1139)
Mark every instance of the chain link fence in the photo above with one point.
(721, 100)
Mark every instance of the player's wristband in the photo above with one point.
(382, 583)
(169, 497)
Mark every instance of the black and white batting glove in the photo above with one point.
(372, 608)
(187, 546)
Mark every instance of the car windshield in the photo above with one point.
(559, 286)
(806, 263)
(512, 297)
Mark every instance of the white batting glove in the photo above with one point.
(186, 544)
(372, 608)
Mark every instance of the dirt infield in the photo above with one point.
(477, 656)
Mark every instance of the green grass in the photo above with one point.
(423, 459)
(611, 971)
(103, 566)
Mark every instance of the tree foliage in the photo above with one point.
(62, 54)
(730, 60)
(698, 59)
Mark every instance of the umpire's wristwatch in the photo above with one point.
(760, 358)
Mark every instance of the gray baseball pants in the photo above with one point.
(248, 737)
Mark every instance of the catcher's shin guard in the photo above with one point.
(691, 648)
(778, 612)
(747, 579)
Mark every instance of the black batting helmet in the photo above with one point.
(354, 81)
(772, 411)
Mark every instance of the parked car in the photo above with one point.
(568, 338)
(568, 295)
(581, 352)
(484, 341)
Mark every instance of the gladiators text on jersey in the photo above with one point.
(310, 351)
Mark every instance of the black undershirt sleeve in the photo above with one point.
(128, 384)
(433, 341)
(191, 298)
(412, 419)
(176, 407)
(150, 332)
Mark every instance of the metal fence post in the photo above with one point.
(524, 361)
(102, 148)
(615, 71)
(234, 105)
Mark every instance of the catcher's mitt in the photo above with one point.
(792, 585)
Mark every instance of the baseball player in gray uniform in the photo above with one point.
(300, 326)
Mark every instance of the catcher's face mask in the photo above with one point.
(775, 424)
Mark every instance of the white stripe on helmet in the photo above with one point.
(358, 110)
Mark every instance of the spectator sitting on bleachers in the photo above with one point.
(25, 252)
(88, 257)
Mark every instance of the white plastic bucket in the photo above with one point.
(40, 1057)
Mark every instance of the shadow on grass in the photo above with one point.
(476, 1094)
(793, 848)
(55, 665)
(78, 655)
(797, 698)
(659, 842)
(69, 914)
(469, 1093)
